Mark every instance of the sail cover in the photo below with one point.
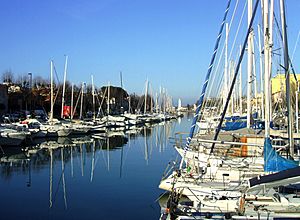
(234, 125)
(282, 178)
(273, 161)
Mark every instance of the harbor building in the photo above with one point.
(278, 87)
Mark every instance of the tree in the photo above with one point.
(39, 82)
(134, 102)
(7, 76)
(22, 81)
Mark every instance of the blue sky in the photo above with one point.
(167, 41)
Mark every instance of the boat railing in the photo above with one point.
(180, 138)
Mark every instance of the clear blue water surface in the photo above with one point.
(102, 178)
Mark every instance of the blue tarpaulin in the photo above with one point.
(234, 125)
(236, 122)
(275, 162)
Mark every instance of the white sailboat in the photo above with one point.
(53, 126)
(219, 188)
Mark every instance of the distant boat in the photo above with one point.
(12, 137)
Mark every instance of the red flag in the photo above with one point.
(67, 111)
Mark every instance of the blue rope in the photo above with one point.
(235, 76)
(201, 99)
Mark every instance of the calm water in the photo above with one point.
(90, 177)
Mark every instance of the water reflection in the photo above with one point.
(13, 160)
(61, 166)
(64, 149)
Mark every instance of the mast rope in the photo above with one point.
(74, 109)
(222, 51)
(235, 76)
(281, 37)
(238, 30)
(219, 86)
(200, 101)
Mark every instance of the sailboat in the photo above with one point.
(12, 137)
(53, 126)
(217, 189)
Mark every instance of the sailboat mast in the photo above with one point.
(287, 75)
(165, 99)
(160, 99)
(108, 97)
(231, 77)
(151, 100)
(51, 91)
(64, 88)
(129, 104)
(254, 77)
(93, 94)
(121, 79)
(72, 101)
(249, 67)
(156, 103)
(235, 76)
(207, 77)
(145, 101)
(146, 93)
(261, 73)
(297, 107)
(271, 21)
(240, 87)
(225, 89)
(81, 101)
(266, 67)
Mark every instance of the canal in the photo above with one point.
(111, 176)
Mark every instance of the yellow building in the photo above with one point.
(278, 85)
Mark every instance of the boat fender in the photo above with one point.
(188, 169)
(165, 214)
(172, 204)
(167, 210)
(241, 209)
